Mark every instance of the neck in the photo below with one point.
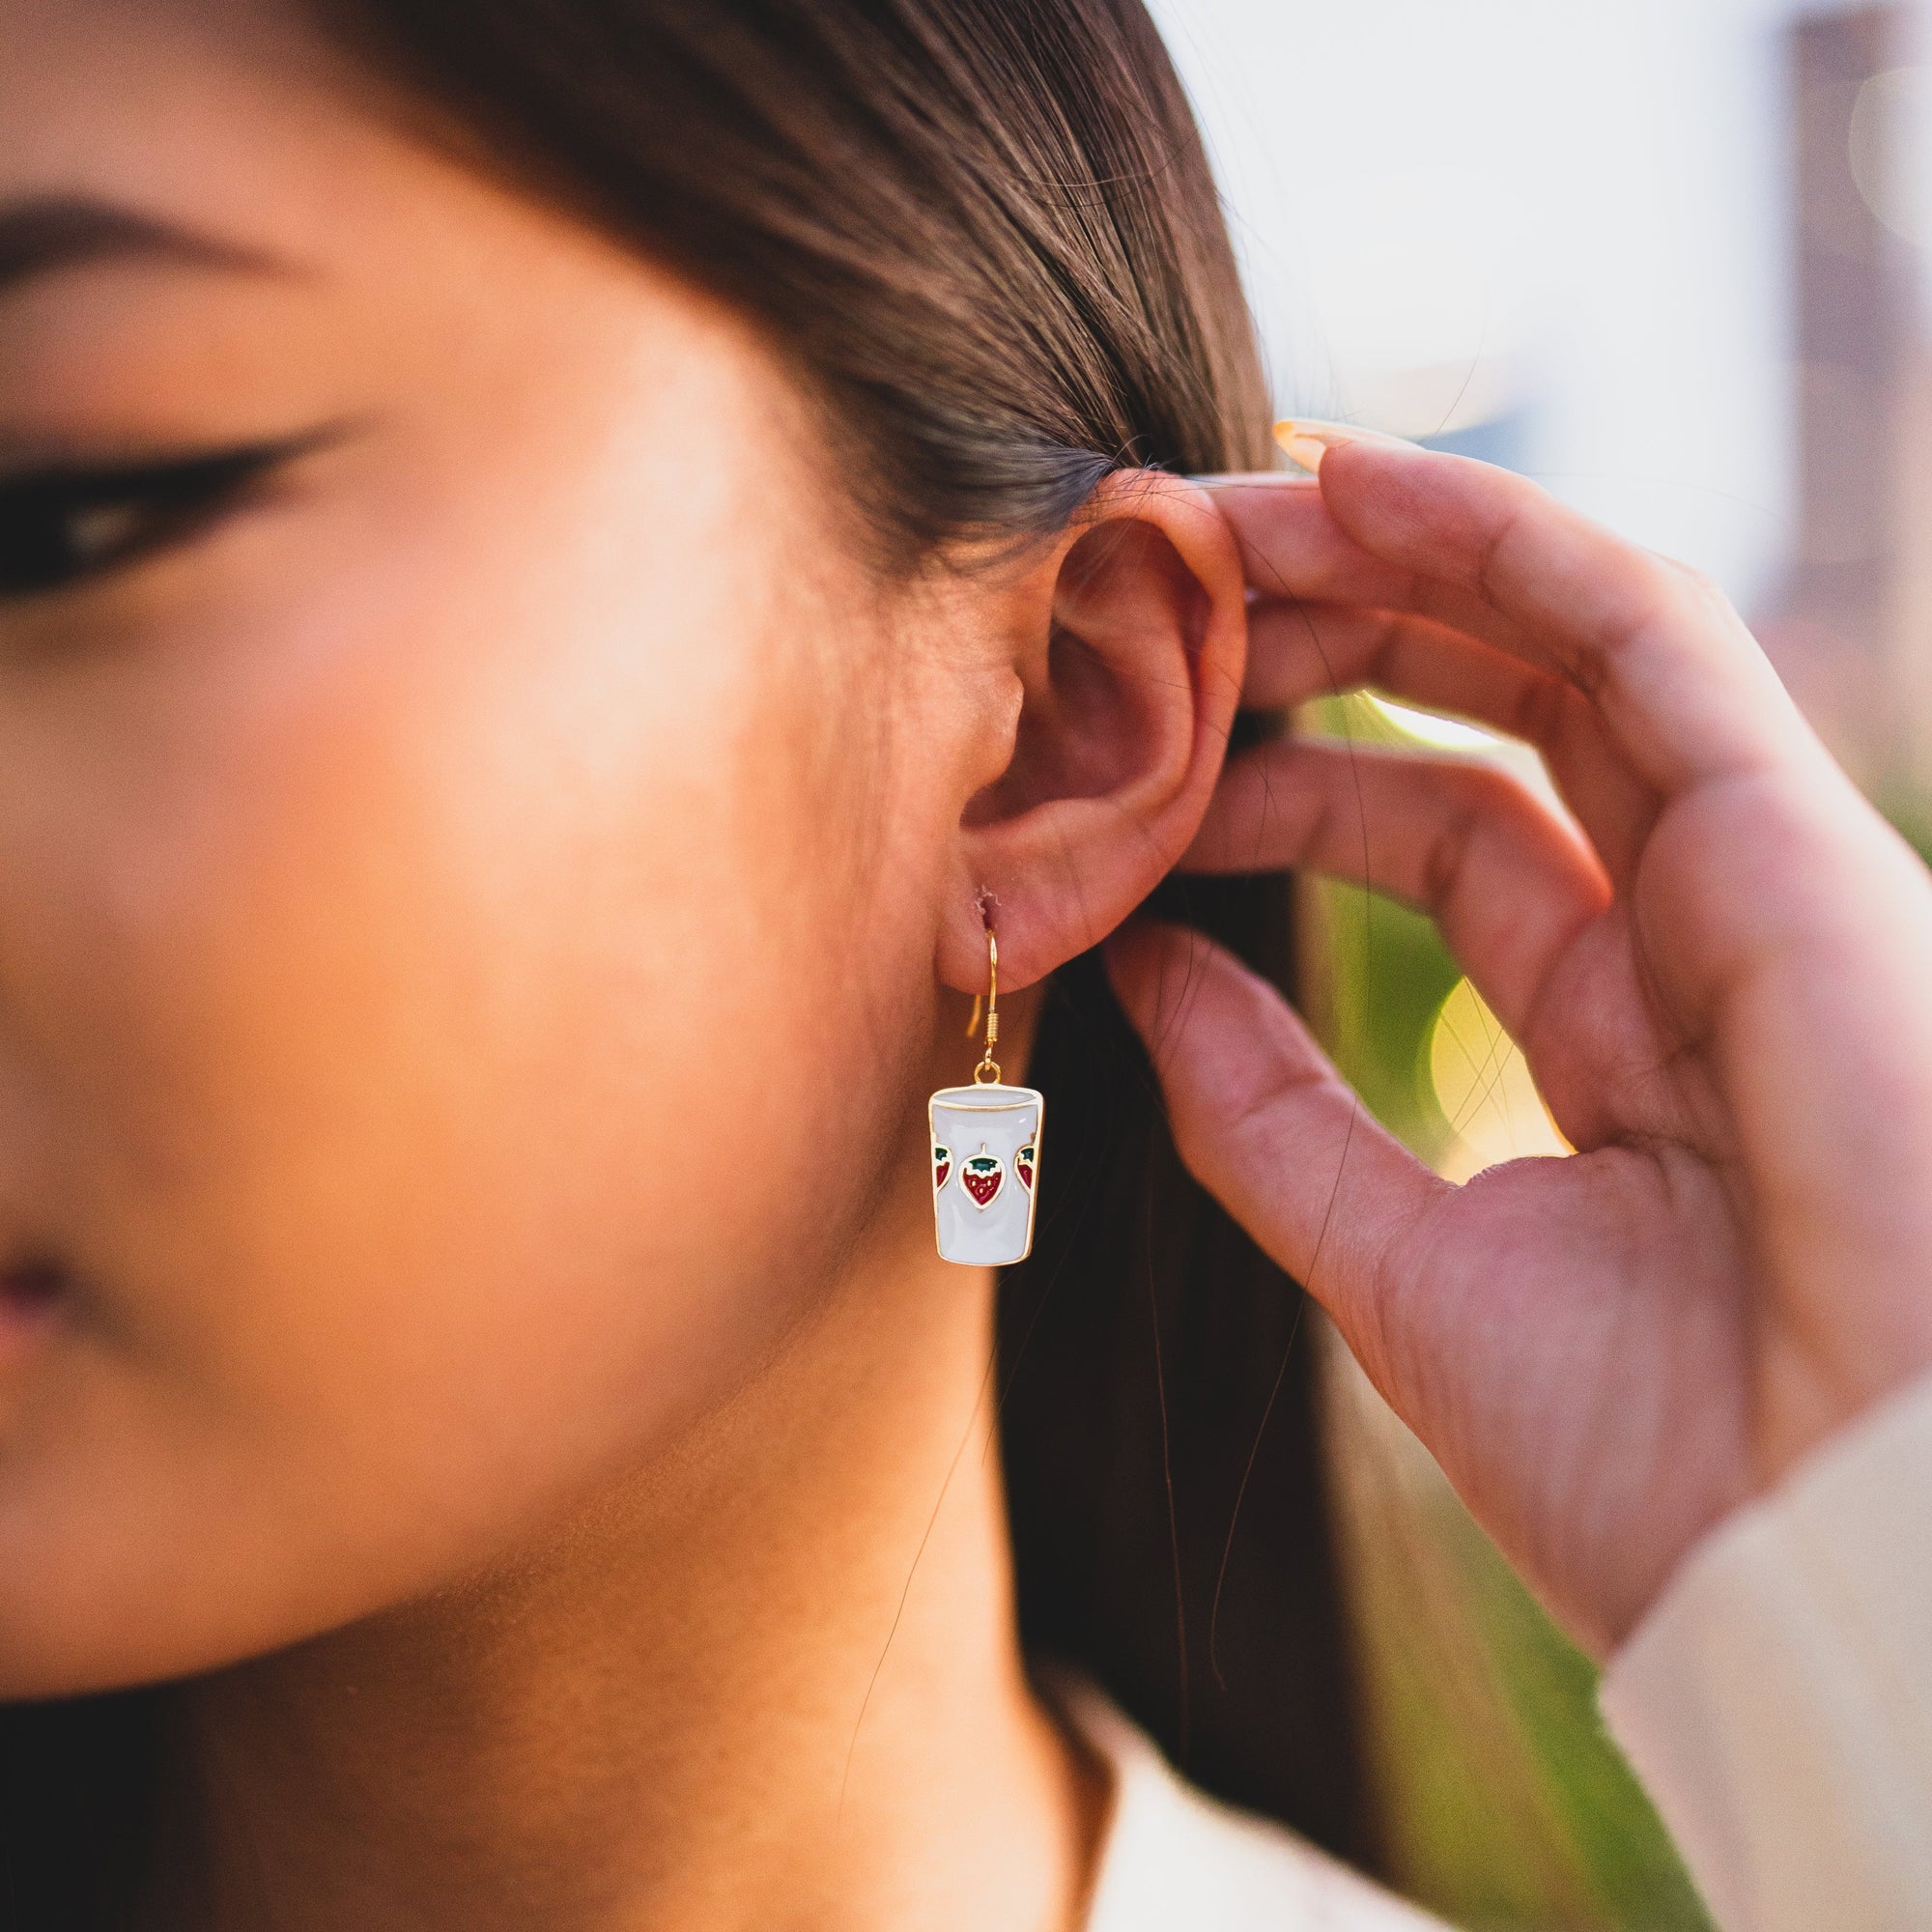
(777, 1685)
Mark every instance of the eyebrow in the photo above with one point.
(45, 233)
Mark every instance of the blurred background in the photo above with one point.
(1674, 258)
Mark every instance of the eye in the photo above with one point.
(64, 525)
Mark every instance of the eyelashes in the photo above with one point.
(62, 525)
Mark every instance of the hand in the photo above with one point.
(1722, 985)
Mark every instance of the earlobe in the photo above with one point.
(1130, 641)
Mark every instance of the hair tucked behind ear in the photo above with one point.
(985, 235)
(982, 230)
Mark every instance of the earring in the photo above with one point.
(985, 1153)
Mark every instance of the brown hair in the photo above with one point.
(984, 236)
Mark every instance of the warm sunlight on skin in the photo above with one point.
(376, 906)
(482, 859)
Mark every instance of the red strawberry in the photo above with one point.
(981, 1177)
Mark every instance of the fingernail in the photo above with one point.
(1307, 441)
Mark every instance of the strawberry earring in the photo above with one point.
(985, 1152)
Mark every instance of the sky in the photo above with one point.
(1565, 219)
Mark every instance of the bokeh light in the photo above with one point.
(1480, 1080)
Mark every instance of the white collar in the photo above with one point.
(1173, 1860)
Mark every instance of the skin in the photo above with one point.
(1715, 970)
(477, 926)
(476, 935)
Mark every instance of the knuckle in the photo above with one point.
(1493, 544)
(1539, 711)
(1699, 599)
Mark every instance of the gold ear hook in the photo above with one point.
(987, 1072)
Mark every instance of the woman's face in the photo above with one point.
(441, 888)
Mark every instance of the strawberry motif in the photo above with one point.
(981, 1177)
(942, 1166)
(1023, 1166)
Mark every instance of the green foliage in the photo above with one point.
(1510, 1807)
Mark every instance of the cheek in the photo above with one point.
(434, 1030)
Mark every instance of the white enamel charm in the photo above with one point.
(985, 1153)
(984, 1190)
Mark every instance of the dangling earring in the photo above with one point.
(985, 1153)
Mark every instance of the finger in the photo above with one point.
(1292, 544)
(1293, 550)
(1304, 649)
(1298, 651)
(1681, 685)
(1266, 1124)
(1508, 884)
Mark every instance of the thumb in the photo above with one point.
(1265, 1124)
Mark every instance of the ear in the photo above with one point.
(1129, 640)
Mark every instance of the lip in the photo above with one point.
(33, 1293)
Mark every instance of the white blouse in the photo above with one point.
(1776, 1702)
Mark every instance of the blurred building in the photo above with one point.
(1669, 256)
(1849, 622)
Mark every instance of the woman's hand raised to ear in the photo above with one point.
(1723, 988)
